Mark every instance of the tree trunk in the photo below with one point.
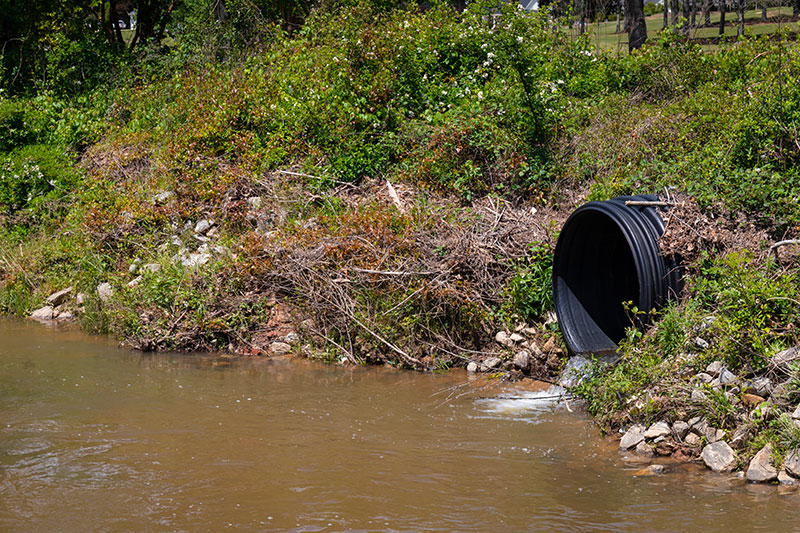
(722, 7)
(666, 15)
(220, 13)
(619, 15)
(674, 8)
(686, 17)
(763, 11)
(637, 34)
(740, 5)
(694, 13)
(707, 13)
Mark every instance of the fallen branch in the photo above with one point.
(774, 247)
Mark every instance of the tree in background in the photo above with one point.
(637, 28)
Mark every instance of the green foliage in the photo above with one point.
(531, 288)
(35, 177)
(755, 308)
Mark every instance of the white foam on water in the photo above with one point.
(522, 404)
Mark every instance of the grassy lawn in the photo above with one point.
(604, 37)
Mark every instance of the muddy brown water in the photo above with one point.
(94, 438)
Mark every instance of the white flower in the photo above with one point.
(480, 95)
(519, 38)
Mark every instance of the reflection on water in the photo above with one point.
(93, 437)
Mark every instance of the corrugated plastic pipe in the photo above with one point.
(607, 254)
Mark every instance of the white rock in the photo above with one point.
(659, 429)
(64, 316)
(134, 282)
(492, 362)
(719, 457)
(43, 313)
(280, 348)
(195, 260)
(704, 378)
(698, 396)
(796, 413)
(151, 267)
(792, 463)
(726, 377)
(522, 359)
(783, 360)
(163, 196)
(701, 343)
(760, 469)
(786, 479)
(80, 298)
(692, 439)
(632, 437)
(503, 338)
(203, 226)
(516, 337)
(292, 337)
(714, 368)
(105, 292)
(680, 429)
(472, 366)
(644, 449)
(57, 298)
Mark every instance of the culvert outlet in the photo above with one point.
(607, 254)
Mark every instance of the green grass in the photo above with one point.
(604, 37)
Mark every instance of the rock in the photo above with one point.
(151, 267)
(785, 479)
(692, 439)
(651, 470)
(644, 449)
(64, 316)
(472, 367)
(58, 298)
(549, 345)
(43, 313)
(105, 292)
(698, 396)
(705, 378)
(195, 260)
(659, 429)
(796, 413)
(80, 298)
(291, 337)
(680, 429)
(529, 332)
(162, 197)
(522, 360)
(760, 469)
(504, 339)
(782, 360)
(726, 377)
(632, 437)
(280, 348)
(516, 337)
(715, 435)
(694, 421)
(714, 368)
(203, 226)
(134, 282)
(752, 400)
(792, 463)
(492, 362)
(740, 435)
(719, 457)
(701, 343)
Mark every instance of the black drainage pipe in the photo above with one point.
(608, 253)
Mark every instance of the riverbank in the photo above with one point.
(386, 187)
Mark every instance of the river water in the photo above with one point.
(97, 438)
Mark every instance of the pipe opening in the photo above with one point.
(607, 254)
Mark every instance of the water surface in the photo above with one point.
(97, 438)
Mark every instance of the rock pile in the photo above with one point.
(521, 352)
